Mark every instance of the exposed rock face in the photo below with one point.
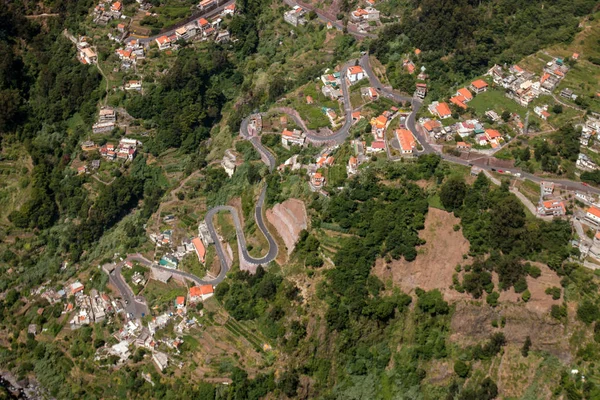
(289, 219)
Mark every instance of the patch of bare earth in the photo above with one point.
(289, 219)
(434, 266)
(472, 324)
(540, 302)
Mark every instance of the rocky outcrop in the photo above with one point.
(289, 219)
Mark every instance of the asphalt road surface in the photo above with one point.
(134, 305)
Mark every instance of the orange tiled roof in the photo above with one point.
(356, 69)
(199, 246)
(443, 109)
(479, 84)
(406, 139)
(464, 92)
(594, 211)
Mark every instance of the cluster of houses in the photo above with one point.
(129, 55)
(585, 163)
(133, 334)
(550, 205)
(89, 308)
(105, 12)
(316, 178)
(201, 29)
(174, 254)
(125, 150)
(590, 128)
(523, 86)
(331, 85)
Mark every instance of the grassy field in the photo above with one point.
(163, 294)
(495, 100)
(15, 166)
(190, 263)
(312, 114)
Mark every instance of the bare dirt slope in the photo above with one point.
(436, 260)
(289, 219)
(472, 324)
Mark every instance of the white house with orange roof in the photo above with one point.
(163, 42)
(406, 141)
(440, 109)
(552, 207)
(295, 137)
(478, 86)
(317, 181)
(493, 136)
(180, 302)
(116, 6)
(229, 10)
(355, 74)
(201, 293)
(593, 214)
(356, 116)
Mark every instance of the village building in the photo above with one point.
(376, 146)
(352, 167)
(585, 163)
(229, 162)
(552, 207)
(406, 141)
(378, 126)
(163, 42)
(201, 293)
(441, 110)
(546, 188)
(369, 92)
(421, 91)
(295, 16)
(317, 181)
(364, 14)
(199, 249)
(133, 85)
(432, 128)
(478, 86)
(161, 360)
(88, 56)
(355, 74)
(593, 214)
(291, 138)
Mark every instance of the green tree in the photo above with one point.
(526, 347)
(461, 369)
(453, 193)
